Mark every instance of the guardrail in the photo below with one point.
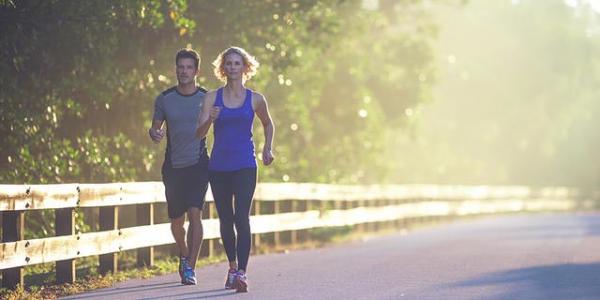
(292, 207)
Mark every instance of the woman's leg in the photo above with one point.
(222, 189)
(244, 183)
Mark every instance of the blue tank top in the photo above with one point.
(233, 147)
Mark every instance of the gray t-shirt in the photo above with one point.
(180, 112)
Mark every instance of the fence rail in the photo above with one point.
(307, 206)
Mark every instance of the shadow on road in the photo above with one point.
(158, 288)
(564, 281)
(124, 291)
(195, 295)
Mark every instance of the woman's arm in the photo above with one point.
(262, 111)
(208, 114)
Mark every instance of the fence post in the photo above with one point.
(109, 220)
(303, 206)
(399, 221)
(256, 236)
(378, 224)
(362, 227)
(13, 227)
(294, 233)
(65, 225)
(145, 216)
(369, 226)
(276, 234)
(208, 246)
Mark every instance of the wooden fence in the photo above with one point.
(292, 207)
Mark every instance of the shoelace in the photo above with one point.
(241, 275)
(183, 263)
(189, 274)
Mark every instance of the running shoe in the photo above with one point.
(230, 279)
(240, 282)
(183, 262)
(189, 276)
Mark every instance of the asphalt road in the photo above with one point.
(542, 256)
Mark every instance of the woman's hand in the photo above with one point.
(214, 113)
(207, 115)
(267, 156)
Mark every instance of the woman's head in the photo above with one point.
(234, 62)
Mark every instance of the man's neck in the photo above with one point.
(187, 89)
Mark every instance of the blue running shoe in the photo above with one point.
(229, 280)
(183, 262)
(189, 276)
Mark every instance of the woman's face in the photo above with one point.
(233, 66)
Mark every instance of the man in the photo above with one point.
(184, 170)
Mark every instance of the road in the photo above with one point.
(538, 256)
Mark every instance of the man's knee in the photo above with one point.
(196, 222)
(194, 213)
(178, 222)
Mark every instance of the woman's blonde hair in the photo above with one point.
(250, 63)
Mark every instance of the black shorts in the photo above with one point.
(185, 187)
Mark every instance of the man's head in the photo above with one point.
(187, 62)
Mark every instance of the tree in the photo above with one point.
(340, 79)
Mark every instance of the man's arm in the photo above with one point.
(156, 132)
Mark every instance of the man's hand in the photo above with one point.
(214, 113)
(156, 134)
(267, 156)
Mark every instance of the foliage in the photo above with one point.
(69, 72)
(80, 87)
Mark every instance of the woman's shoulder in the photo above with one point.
(256, 96)
(210, 95)
(258, 101)
(214, 92)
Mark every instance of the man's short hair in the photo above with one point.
(188, 53)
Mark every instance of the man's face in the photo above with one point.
(186, 70)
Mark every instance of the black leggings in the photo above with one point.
(240, 186)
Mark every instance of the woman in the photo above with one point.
(232, 166)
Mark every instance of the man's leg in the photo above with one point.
(178, 232)
(175, 192)
(195, 234)
(175, 206)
